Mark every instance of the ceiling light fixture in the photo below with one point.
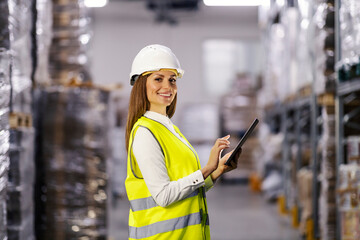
(236, 2)
(95, 3)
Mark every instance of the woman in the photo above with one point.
(165, 183)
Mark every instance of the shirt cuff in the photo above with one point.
(198, 179)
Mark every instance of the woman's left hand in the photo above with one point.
(222, 168)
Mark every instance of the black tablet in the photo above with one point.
(242, 140)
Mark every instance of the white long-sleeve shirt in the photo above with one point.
(151, 162)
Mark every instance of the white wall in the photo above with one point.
(121, 29)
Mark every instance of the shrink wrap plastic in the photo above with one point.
(304, 61)
(274, 46)
(43, 41)
(20, 23)
(4, 133)
(4, 25)
(288, 79)
(350, 31)
(20, 205)
(71, 35)
(327, 178)
(20, 202)
(324, 47)
(72, 177)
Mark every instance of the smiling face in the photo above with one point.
(161, 90)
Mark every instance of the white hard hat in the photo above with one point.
(154, 58)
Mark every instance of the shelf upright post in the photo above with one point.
(315, 161)
(339, 113)
(298, 154)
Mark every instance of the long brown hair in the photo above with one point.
(139, 104)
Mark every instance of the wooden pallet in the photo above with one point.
(326, 99)
(17, 120)
(305, 91)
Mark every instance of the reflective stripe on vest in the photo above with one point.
(149, 202)
(164, 226)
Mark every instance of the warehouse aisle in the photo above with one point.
(235, 214)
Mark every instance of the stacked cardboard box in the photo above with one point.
(238, 111)
(348, 198)
(72, 176)
(70, 41)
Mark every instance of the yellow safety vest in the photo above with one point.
(186, 219)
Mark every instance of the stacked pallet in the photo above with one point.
(4, 132)
(70, 41)
(238, 111)
(348, 197)
(20, 215)
(72, 177)
(327, 198)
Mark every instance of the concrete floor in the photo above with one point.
(235, 212)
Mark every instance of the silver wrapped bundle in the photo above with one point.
(4, 88)
(4, 130)
(43, 41)
(20, 203)
(4, 25)
(327, 199)
(72, 167)
(324, 47)
(20, 23)
(70, 42)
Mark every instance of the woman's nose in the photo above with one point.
(166, 84)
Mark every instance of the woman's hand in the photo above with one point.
(222, 168)
(212, 164)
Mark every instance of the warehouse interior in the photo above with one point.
(64, 96)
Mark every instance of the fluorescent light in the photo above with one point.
(235, 2)
(95, 3)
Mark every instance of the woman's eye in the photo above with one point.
(173, 80)
(158, 79)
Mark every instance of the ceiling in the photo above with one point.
(175, 12)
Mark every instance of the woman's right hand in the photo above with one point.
(212, 164)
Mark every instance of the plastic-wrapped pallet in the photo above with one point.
(327, 199)
(4, 129)
(349, 15)
(288, 78)
(348, 198)
(43, 41)
(70, 41)
(72, 177)
(20, 20)
(324, 47)
(274, 46)
(238, 111)
(20, 204)
(304, 60)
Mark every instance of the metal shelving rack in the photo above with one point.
(346, 93)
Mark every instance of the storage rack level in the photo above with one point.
(347, 119)
(298, 121)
